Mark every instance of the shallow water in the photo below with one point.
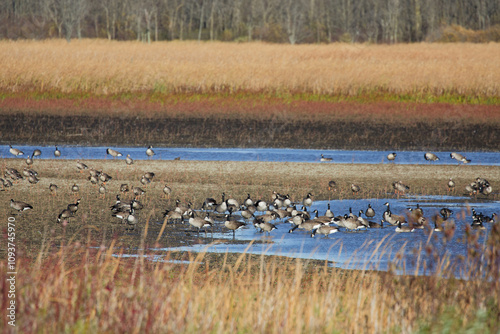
(254, 154)
(374, 249)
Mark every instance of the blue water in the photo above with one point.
(373, 249)
(255, 154)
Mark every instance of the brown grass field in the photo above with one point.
(415, 96)
(68, 280)
(105, 67)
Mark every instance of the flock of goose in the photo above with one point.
(263, 214)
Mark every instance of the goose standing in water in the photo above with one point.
(392, 156)
(459, 157)
(113, 153)
(57, 153)
(150, 152)
(36, 153)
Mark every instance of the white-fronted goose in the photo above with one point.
(355, 188)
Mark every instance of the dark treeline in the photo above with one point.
(279, 21)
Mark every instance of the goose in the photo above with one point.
(15, 151)
(261, 205)
(323, 158)
(248, 201)
(438, 223)
(113, 153)
(198, 222)
(29, 161)
(36, 153)
(355, 188)
(362, 220)
(232, 224)
(53, 189)
(81, 166)
(350, 223)
(391, 156)
(376, 225)
(459, 157)
(232, 204)
(145, 181)
(478, 225)
(321, 219)
(266, 218)
(182, 209)
(75, 188)
(138, 191)
(57, 153)
(392, 218)
(446, 213)
(264, 226)
(222, 207)
(126, 216)
(13, 173)
(93, 179)
(296, 220)
(167, 191)
(172, 216)
(104, 177)
(33, 179)
(369, 212)
(430, 156)
(102, 191)
(129, 160)
(73, 207)
(246, 213)
(308, 201)
(124, 188)
(209, 203)
(149, 151)
(403, 228)
(20, 206)
(329, 212)
(65, 214)
(287, 201)
(149, 175)
(325, 230)
(306, 225)
(400, 188)
(451, 184)
(6, 183)
(208, 218)
(332, 185)
(282, 213)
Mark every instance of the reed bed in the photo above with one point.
(108, 67)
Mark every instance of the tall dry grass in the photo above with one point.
(87, 289)
(106, 67)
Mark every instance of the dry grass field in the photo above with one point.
(105, 67)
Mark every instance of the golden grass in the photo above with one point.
(106, 67)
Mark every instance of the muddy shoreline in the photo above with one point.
(40, 129)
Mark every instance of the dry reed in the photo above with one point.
(105, 67)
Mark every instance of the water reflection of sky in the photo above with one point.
(254, 154)
(374, 249)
